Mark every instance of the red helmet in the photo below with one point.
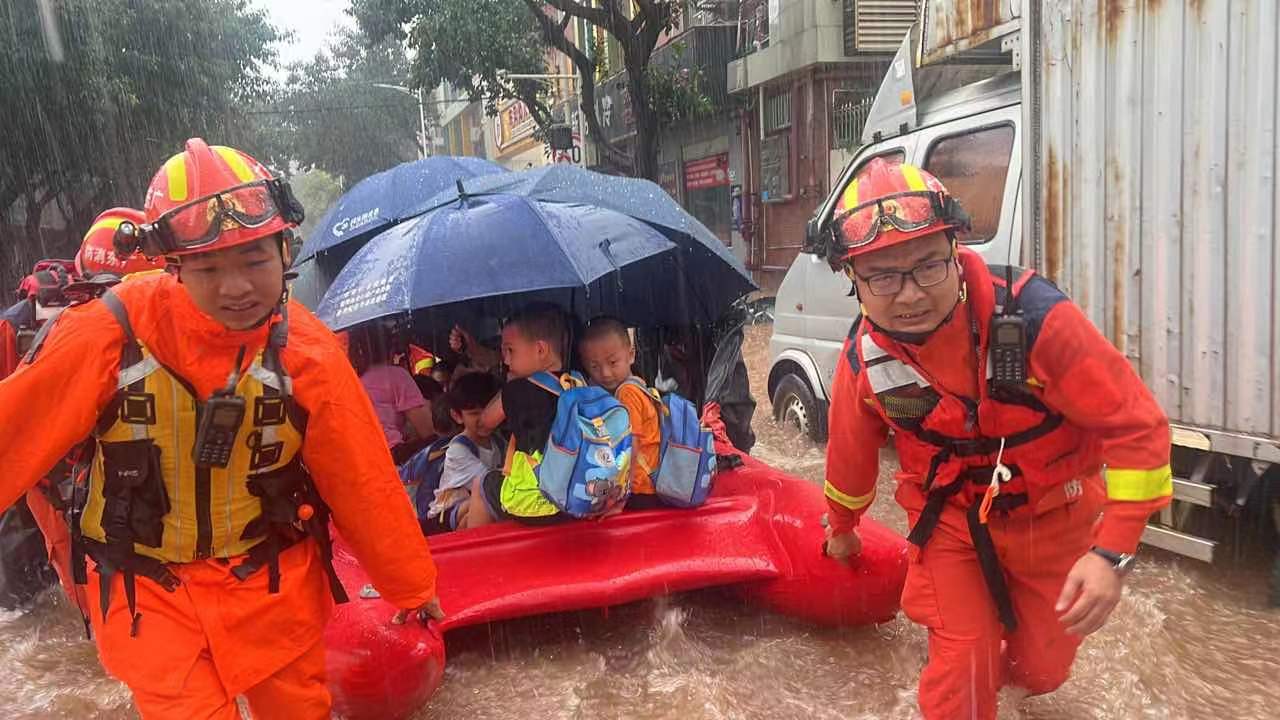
(209, 198)
(47, 280)
(887, 204)
(97, 254)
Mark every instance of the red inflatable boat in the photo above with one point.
(760, 532)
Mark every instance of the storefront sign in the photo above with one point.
(513, 123)
(707, 173)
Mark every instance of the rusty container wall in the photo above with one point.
(1158, 196)
(949, 27)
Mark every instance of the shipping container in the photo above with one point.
(1151, 153)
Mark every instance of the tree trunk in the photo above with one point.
(645, 151)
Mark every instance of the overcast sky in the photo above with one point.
(311, 21)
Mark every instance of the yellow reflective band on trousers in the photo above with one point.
(853, 502)
(1139, 485)
(521, 495)
(267, 440)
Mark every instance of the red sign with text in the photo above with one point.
(707, 173)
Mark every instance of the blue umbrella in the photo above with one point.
(634, 197)
(388, 198)
(506, 246)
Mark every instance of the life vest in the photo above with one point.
(959, 440)
(146, 502)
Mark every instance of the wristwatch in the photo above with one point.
(1121, 562)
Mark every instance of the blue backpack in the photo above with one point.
(421, 474)
(687, 454)
(585, 466)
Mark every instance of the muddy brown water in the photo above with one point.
(1187, 641)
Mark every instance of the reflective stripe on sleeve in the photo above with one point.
(1139, 485)
(853, 502)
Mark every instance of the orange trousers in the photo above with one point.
(215, 637)
(971, 656)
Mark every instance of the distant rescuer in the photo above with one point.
(1016, 424)
(226, 427)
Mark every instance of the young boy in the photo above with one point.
(471, 454)
(532, 341)
(607, 356)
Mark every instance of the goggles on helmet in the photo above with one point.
(198, 223)
(904, 212)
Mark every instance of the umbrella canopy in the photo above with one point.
(483, 247)
(501, 245)
(390, 197)
(633, 197)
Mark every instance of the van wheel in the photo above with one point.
(794, 404)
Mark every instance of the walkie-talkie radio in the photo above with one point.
(1009, 341)
(220, 419)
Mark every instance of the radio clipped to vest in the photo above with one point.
(1009, 341)
(220, 419)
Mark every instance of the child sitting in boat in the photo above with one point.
(607, 355)
(533, 341)
(472, 453)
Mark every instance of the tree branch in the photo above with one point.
(586, 73)
(610, 18)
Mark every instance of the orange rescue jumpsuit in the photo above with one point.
(217, 637)
(1082, 377)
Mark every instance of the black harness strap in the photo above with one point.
(990, 564)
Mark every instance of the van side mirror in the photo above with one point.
(811, 230)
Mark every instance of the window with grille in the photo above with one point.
(849, 110)
(777, 111)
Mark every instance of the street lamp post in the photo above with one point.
(422, 113)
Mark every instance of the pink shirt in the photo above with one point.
(393, 392)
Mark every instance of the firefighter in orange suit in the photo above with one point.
(97, 268)
(1031, 453)
(227, 428)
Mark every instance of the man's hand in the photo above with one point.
(431, 609)
(1091, 592)
(842, 546)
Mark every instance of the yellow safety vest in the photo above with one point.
(148, 432)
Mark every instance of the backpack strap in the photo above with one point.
(465, 442)
(650, 392)
(556, 384)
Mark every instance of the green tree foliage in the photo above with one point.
(330, 114)
(98, 93)
(316, 190)
(467, 42)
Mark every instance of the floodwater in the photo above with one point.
(1187, 641)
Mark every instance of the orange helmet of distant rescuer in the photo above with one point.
(209, 197)
(886, 204)
(97, 254)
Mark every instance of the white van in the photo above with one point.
(969, 138)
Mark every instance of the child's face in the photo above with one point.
(523, 356)
(470, 422)
(608, 360)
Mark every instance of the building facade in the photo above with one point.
(806, 73)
